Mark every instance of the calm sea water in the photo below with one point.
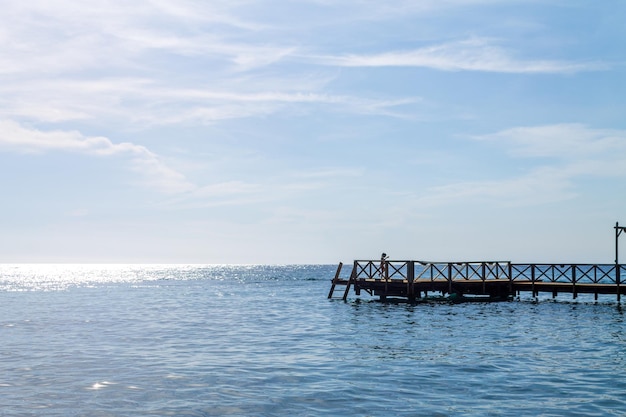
(265, 341)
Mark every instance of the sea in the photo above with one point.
(264, 340)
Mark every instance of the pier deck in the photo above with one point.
(494, 280)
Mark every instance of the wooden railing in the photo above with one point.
(569, 273)
(489, 270)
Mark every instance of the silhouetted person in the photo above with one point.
(383, 265)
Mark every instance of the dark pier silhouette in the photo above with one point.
(481, 280)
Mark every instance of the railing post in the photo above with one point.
(617, 281)
(595, 281)
(449, 278)
(532, 279)
(410, 277)
(483, 277)
(574, 295)
(618, 231)
(510, 271)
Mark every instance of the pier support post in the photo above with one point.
(410, 277)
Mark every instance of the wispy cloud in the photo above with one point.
(573, 141)
(155, 173)
(332, 173)
(565, 153)
(122, 62)
(62, 36)
(538, 187)
(143, 101)
(475, 54)
(266, 189)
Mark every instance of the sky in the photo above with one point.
(313, 131)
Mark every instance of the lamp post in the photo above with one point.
(618, 231)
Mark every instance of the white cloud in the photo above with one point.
(156, 174)
(475, 54)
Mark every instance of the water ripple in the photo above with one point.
(264, 341)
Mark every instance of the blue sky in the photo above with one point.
(162, 131)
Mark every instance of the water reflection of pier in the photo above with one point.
(493, 280)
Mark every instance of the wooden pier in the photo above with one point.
(493, 280)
